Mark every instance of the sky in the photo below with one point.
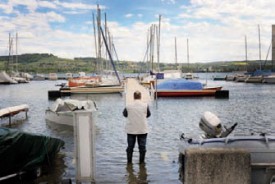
(215, 29)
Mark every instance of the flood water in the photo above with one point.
(250, 105)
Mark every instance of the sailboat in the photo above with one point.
(5, 78)
(9, 76)
(108, 82)
(257, 76)
(173, 74)
(242, 77)
(179, 87)
(189, 75)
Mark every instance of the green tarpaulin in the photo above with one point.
(20, 151)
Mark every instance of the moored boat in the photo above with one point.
(230, 77)
(83, 81)
(6, 79)
(52, 76)
(61, 112)
(39, 77)
(93, 89)
(189, 76)
(254, 79)
(241, 78)
(22, 152)
(269, 79)
(184, 88)
(218, 78)
(261, 147)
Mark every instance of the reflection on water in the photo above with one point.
(55, 169)
(139, 176)
(250, 105)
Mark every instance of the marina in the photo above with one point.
(75, 78)
(250, 105)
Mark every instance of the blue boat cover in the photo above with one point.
(179, 84)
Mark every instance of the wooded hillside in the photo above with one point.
(45, 63)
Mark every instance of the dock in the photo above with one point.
(11, 111)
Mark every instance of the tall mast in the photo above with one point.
(147, 54)
(273, 46)
(187, 55)
(10, 60)
(176, 53)
(16, 49)
(245, 40)
(96, 53)
(99, 36)
(158, 47)
(259, 33)
(106, 37)
(152, 36)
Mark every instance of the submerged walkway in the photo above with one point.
(133, 85)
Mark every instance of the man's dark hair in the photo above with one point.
(137, 95)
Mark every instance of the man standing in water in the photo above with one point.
(136, 126)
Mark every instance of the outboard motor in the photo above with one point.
(212, 127)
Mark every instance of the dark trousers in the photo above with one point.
(141, 139)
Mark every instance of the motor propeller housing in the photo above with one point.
(212, 127)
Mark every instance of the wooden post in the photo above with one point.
(10, 120)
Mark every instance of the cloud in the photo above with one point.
(31, 5)
(6, 8)
(222, 25)
(78, 6)
(169, 1)
(215, 29)
(129, 15)
(54, 17)
(47, 4)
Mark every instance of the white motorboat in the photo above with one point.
(188, 76)
(53, 76)
(269, 79)
(61, 112)
(241, 78)
(261, 147)
(254, 79)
